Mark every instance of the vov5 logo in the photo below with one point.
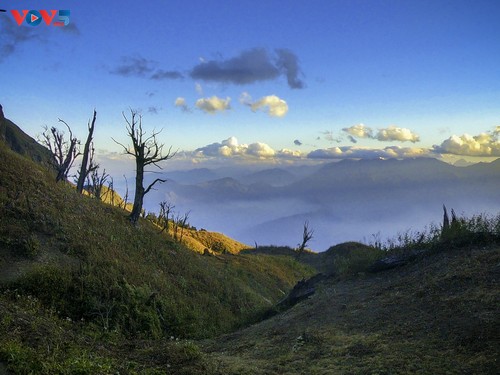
(35, 17)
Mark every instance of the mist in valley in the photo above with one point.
(367, 200)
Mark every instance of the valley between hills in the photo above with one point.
(82, 291)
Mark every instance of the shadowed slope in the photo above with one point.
(436, 315)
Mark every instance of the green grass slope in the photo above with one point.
(436, 315)
(23, 144)
(338, 260)
(71, 258)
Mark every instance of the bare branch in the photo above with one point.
(307, 236)
(160, 180)
(87, 166)
(64, 152)
(146, 150)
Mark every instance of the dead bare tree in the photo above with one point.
(88, 165)
(111, 189)
(183, 224)
(125, 197)
(166, 209)
(446, 220)
(96, 182)
(179, 224)
(175, 229)
(307, 236)
(63, 151)
(147, 151)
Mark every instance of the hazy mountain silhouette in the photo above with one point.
(192, 176)
(274, 177)
(346, 200)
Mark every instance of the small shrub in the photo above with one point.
(50, 284)
(20, 359)
(478, 230)
(30, 246)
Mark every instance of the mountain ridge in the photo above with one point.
(22, 143)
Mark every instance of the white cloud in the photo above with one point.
(214, 104)
(181, 103)
(260, 150)
(393, 133)
(350, 152)
(289, 154)
(484, 144)
(232, 148)
(271, 104)
(360, 131)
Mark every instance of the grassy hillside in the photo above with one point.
(196, 240)
(22, 143)
(73, 258)
(84, 292)
(437, 315)
(338, 260)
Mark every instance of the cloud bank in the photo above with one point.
(350, 152)
(251, 66)
(484, 144)
(231, 148)
(389, 134)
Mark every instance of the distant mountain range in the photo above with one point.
(345, 200)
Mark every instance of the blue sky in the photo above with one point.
(287, 80)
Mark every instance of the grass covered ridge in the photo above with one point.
(82, 261)
(437, 315)
(84, 292)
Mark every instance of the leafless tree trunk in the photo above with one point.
(446, 220)
(307, 236)
(166, 209)
(125, 198)
(64, 152)
(146, 151)
(88, 166)
(175, 222)
(96, 183)
(180, 223)
(183, 224)
(111, 189)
